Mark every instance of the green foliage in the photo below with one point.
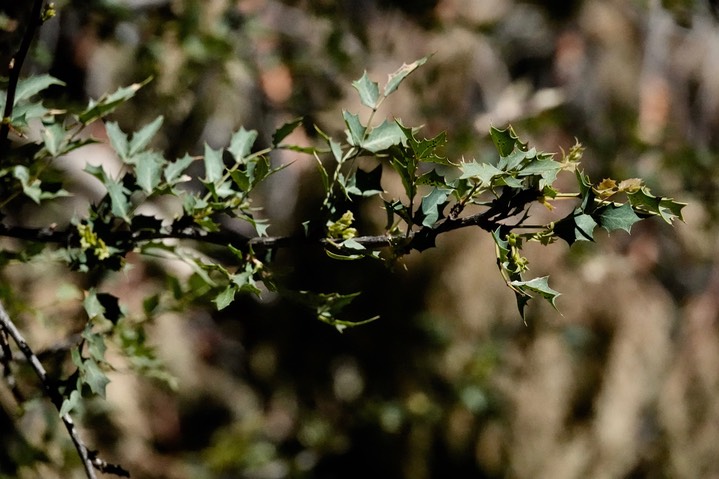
(439, 195)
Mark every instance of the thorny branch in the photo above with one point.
(89, 459)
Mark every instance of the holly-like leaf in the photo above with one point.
(283, 131)
(383, 136)
(506, 140)
(30, 186)
(120, 204)
(432, 206)
(613, 217)
(142, 138)
(368, 91)
(484, 172)
(578, 226)
(148, 169)
(107, 103)
(355, 131)
(27, 87)
(53, 137)
(118, 140)
(403, 72)
(241, 144)
(214, 165)
(225, 298)
(94, 377)
(534, 286)
(174, 171)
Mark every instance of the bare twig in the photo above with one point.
(89, 458)
(14, 71)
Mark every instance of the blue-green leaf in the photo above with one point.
(141, 139)
(118, 140)
(241, 144)
(618, 217)
(383, 136)
(214, 165)
(368, 91)
(397, 77)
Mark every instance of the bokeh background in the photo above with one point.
(624, 383)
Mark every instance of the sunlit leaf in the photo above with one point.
(614, 217)
(383, 136)
(142, 138)
(368, 91)
(214, 165)
(241, 144)
(397, 77)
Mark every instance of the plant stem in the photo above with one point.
(14, 76)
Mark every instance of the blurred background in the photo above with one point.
(624, 383)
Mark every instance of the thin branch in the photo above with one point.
(89, 459)
(14, 75)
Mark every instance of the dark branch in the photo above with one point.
(89, 459)
(14, 75)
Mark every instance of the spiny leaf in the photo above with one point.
(484, 172)
(241, 144)
(53, 136)
(107, 103)
(148, 168)
(118, 194)
(173, 171)
(368, 91)
(383, 136)
(578, 226)
(282, 132)
(614, 217)
(397, 77)
(355, 131)
(118, 140)
(432, 206)
(213, 164)
(535, 286)
(142, 138)
(226, 297)
(506, 140)
(32, 85)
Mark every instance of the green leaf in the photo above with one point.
(141, 139)
(506, 140)
(614, 217)
(95, 343)
(214, 166)
(94, 377)
(670, 210)
(484, 172)
(120, 204)
(225, 298)
(432, 206)
(148, 168)
(30, 186)
(107, 103)
(383, 136)
(173, 171)
(355, 131)
(283, 131)
(397, 77)
(53, 136)
(241, 144)
(32, 85)
(535, 286)
(118, 140)
(71, 403)
(578, 226)
(368, 91)
(92, 305)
